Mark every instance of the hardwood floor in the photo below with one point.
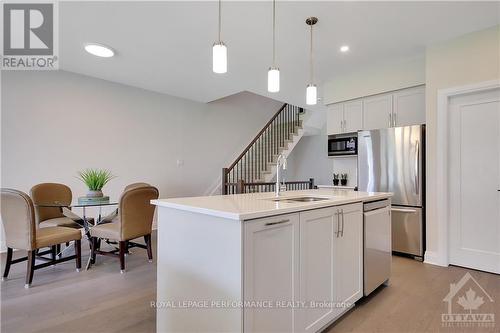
(98, 300)
(103, 300)
(413, 302)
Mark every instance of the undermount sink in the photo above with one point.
(300, 199)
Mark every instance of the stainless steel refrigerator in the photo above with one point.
(393, 160)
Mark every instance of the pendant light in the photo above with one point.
(219, 52)
(311, 91)
(273, 74)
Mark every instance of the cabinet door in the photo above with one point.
(317, 228)
(377, 112)
(349, 255)
(335, 118)
(271, 272)
(353, 116)
(409, 107)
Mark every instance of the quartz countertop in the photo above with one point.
(256, 205)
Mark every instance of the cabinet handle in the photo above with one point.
(342, 232)
(345, 125)
(278, 222)
(390, 119)
(395, 119)
(338, 224)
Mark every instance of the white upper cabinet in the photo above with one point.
(409, 107)
(353, 116)
(345, 117)
(335, 118)
(401, 108)
(377, 111)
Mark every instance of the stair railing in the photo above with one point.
(262, 149)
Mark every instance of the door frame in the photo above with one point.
(441, 256)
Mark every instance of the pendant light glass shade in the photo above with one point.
(273, 74)
(273, 80)
(311, 95)
(219, 56)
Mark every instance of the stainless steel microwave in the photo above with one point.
(342, 146)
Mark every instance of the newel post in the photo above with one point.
(224, 181)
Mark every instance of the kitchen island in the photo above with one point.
(253, 262)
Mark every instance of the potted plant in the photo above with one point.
(95, 179)
(336, 179)
(343, 179)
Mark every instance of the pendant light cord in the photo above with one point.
(220, 3)
(274, 33)
(311, 52)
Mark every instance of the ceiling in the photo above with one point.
(166, 46)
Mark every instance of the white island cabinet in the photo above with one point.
(247, 263)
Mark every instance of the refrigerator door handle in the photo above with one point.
(404, 210)
(417, 155)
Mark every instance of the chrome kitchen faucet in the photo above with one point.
(281, 161)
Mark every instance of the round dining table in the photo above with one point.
(86, 225)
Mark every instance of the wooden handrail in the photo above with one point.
(240, 185)
(269, 142)
(257, 137)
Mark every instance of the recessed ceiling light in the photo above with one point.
(99, 50)
(344, 48)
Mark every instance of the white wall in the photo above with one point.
(309, 159)
(54, 124)
(375, 79)
(471, 58)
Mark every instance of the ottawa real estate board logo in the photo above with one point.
(468, 305)
(30, 36)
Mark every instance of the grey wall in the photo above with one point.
(310, 159)
(54, 124)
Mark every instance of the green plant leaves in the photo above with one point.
(95, 179)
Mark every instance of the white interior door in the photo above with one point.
(474, 180)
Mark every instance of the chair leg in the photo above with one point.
(93, 245)
(8, 262)
(53, 252)
(78, 253)
(58, 250)
(147, 239)
(30, 268)
(127, 252)
(123, 249)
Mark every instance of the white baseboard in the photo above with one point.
(434, 258)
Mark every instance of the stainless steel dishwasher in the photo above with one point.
(377, 249)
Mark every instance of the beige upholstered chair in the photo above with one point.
(135, 218)
(18, 217)
(111, 217)
(54, 216)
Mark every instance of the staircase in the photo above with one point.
(257, 163)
